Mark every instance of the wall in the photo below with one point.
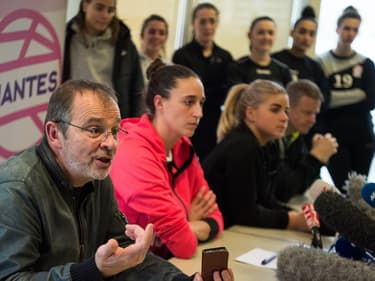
(235, 19)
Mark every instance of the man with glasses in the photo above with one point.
(59, 219)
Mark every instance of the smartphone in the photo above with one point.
(213, 259)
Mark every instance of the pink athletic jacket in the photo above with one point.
(147, 192)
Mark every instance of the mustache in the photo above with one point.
(106, 153)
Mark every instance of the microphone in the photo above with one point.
(313, 223)
(346, 249)
(368, 194)
(303, 264)
(354, 185)
(343, 217)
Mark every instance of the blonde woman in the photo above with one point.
(240, 169)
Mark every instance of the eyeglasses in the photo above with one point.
(97, 132)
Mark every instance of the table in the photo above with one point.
(290, 236)
(240, 239)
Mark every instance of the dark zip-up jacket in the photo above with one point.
(212, 70)
(245, 70)
(49, 231)
(306, 68)
(241, 173)
(127, 73)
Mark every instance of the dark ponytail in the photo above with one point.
(308, 13)
(162, 79)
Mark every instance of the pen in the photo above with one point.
(268, 260)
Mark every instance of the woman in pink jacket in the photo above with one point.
(156, 174)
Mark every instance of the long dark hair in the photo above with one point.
(79, 19)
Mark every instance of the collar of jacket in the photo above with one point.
(198, 47)
(46, 155)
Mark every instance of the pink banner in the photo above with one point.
(31, 44)
(38, 5)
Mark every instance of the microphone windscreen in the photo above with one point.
(355, 181)
(303, 264)
(354, 185)
(343, 217)
(368, 194)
